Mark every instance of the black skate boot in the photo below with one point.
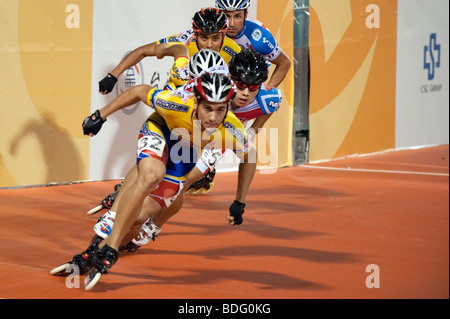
(102, 261)
(203, 185)
(80, 262)
(107, 202)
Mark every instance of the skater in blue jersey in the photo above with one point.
(252, 34)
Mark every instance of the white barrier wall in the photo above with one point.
(422, 109)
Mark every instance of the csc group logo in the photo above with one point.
(432, 56)
(431, 62)
(128, 79)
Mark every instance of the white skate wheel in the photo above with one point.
(91, 280)
(94, 210)
(59, 269)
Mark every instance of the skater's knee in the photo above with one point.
(149, 179)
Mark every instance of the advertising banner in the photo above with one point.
(46, 60)
(422, 116)
(353, 77)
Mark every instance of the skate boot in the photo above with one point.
(104, 225)
(102, 261)
(80, 262)
(203, 185)
(149, 231)
(107, 202)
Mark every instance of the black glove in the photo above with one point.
(107, 84)
(93, 124)
(236, 210)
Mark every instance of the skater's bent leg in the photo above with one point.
(160, 215)
(150, 173)
(129, 179)
(166, 213)
(149, 207)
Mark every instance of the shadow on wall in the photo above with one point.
(60, 155)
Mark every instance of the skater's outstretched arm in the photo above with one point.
(92, 124)
(127, 98)
(149, 50)
(247, 169)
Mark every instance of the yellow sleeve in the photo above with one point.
(151, 97)
(236, 129)
(169, 40)
(187, 38)
(229, 49)
(175, 107)
(184, 38)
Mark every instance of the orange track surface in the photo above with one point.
(309, 232)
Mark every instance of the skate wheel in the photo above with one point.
(201, 191)
(192, 191)
(197, 192)
(205, 190)
(94, 210)
(92, 279)
(118, 186)
(60, 270)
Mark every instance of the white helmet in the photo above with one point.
(214, 87)
(204, 60)
(232, 5)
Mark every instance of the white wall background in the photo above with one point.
(119, 27)
(422, 105)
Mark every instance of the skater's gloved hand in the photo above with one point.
(236, 212)
(92, 124)
(106, 85)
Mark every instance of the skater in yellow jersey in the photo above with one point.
(183, 122)
(209, 26)
(253, 101)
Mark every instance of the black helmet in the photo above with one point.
(249, 66)
(210, 20)
(214, 87)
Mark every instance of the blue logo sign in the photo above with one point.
(432, 56)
